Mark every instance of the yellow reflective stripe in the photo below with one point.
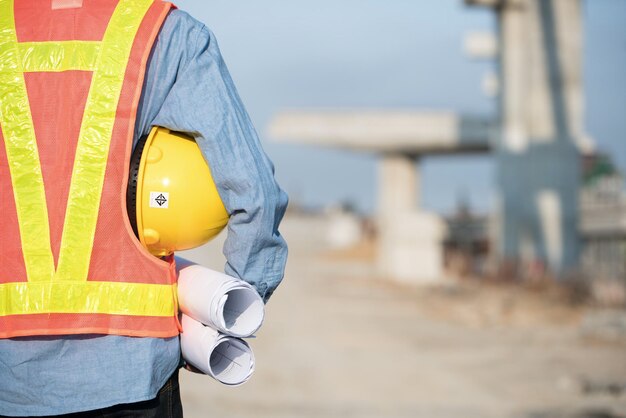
(135, 299)
(59, 56)
(94, 139)
(22, 154)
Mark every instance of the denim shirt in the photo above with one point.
(187, 88)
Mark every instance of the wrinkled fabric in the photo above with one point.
(187, 88)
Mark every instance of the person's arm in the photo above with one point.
(202, 101)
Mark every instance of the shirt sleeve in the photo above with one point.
(201, 99)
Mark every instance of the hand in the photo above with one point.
(192, 369)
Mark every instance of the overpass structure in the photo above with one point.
(536, 142)
(409, 240)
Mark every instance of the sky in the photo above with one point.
(347, 54)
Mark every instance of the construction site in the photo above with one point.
(518, 311)
(340, 341)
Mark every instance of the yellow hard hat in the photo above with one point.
(172, 201)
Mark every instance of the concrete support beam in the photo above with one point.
(402, 131)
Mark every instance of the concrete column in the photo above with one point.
(555, 92)
(557, 193)
(542, 121)
(569, 34)
(514, 74)
(409, 240)
(398, 184)
(513, 59)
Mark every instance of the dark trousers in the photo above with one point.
(167, 404)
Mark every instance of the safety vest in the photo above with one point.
(70, 83)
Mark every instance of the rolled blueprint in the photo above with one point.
(228, 360)
(224, 303)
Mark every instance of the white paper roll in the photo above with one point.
(228, 360)
(225, 303)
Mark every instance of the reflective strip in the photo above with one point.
(59, 56)
(135, 299)
(22, 154)
(92, 151)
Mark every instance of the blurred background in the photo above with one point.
(457, 222)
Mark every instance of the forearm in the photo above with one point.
(203, 101)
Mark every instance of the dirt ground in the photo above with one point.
(338, 341)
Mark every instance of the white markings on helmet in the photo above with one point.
(159, 200)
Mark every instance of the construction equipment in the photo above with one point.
(172, 201)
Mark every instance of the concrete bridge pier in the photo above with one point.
(409, 239)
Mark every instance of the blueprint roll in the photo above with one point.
(215, 299)
(229, 360)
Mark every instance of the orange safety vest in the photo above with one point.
(70, 83)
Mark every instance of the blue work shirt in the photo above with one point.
(187, 88)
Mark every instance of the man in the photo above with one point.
(131, 368)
